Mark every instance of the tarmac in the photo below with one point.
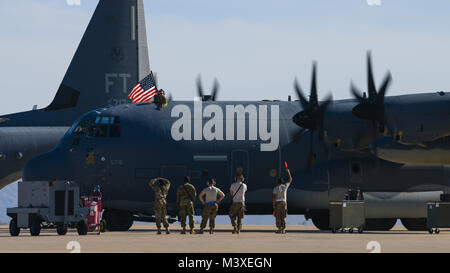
(253, 239)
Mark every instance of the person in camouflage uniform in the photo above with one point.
(186, 194)
(161, 100)
(160, 187)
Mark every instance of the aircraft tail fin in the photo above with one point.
(111, 58)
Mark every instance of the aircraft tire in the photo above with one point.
(380, 224)
(416, 224)
(14, 230)
(61, 229)
(321, 221)
(35, 226)
(82, 227)
(118, 220)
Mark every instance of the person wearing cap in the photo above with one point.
(186, 194)
(160, 187)
(279, 201)
(237, 209)
(208, 197)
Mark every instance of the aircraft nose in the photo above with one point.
(48, 166)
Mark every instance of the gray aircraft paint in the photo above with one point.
(111, 58)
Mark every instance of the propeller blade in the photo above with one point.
(323, 107)
(298, 134)
(383, 89)
(326, 149)
(155, 78)
(374, 145)
(301, 97)
(370, 81)
(313, 99)
(311, 152)
(215, 90)
(356, 93)
(199, 87)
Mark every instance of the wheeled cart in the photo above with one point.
(48, 205)
(438, 216)
(94, 203)
(348, 214)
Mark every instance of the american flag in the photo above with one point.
(144, 91)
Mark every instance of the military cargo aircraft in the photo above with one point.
(331, 146)
(111, 57)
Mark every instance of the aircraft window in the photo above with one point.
(104, 120)
(101, 131)
(81, 129)
(100, 127)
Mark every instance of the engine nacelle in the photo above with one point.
(433, 153)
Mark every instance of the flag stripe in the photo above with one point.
(144, 90)
(146, 96)
(143, 93)
(137, 93)
(134, 90)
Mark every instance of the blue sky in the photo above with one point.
(255, 48)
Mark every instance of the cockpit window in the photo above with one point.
(100, 126)
(81, 129)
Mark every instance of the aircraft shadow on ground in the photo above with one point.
(246, 231)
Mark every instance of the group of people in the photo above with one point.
(210, 197)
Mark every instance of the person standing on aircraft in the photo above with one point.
(279, 201)
(161, 188)
(161, 99)
(211, 204)
(186, 194)
(237, 209)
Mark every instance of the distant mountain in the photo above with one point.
(8, 199)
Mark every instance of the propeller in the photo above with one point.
(155, 78)
(372, 108)
(214, 93)
(313, 114)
